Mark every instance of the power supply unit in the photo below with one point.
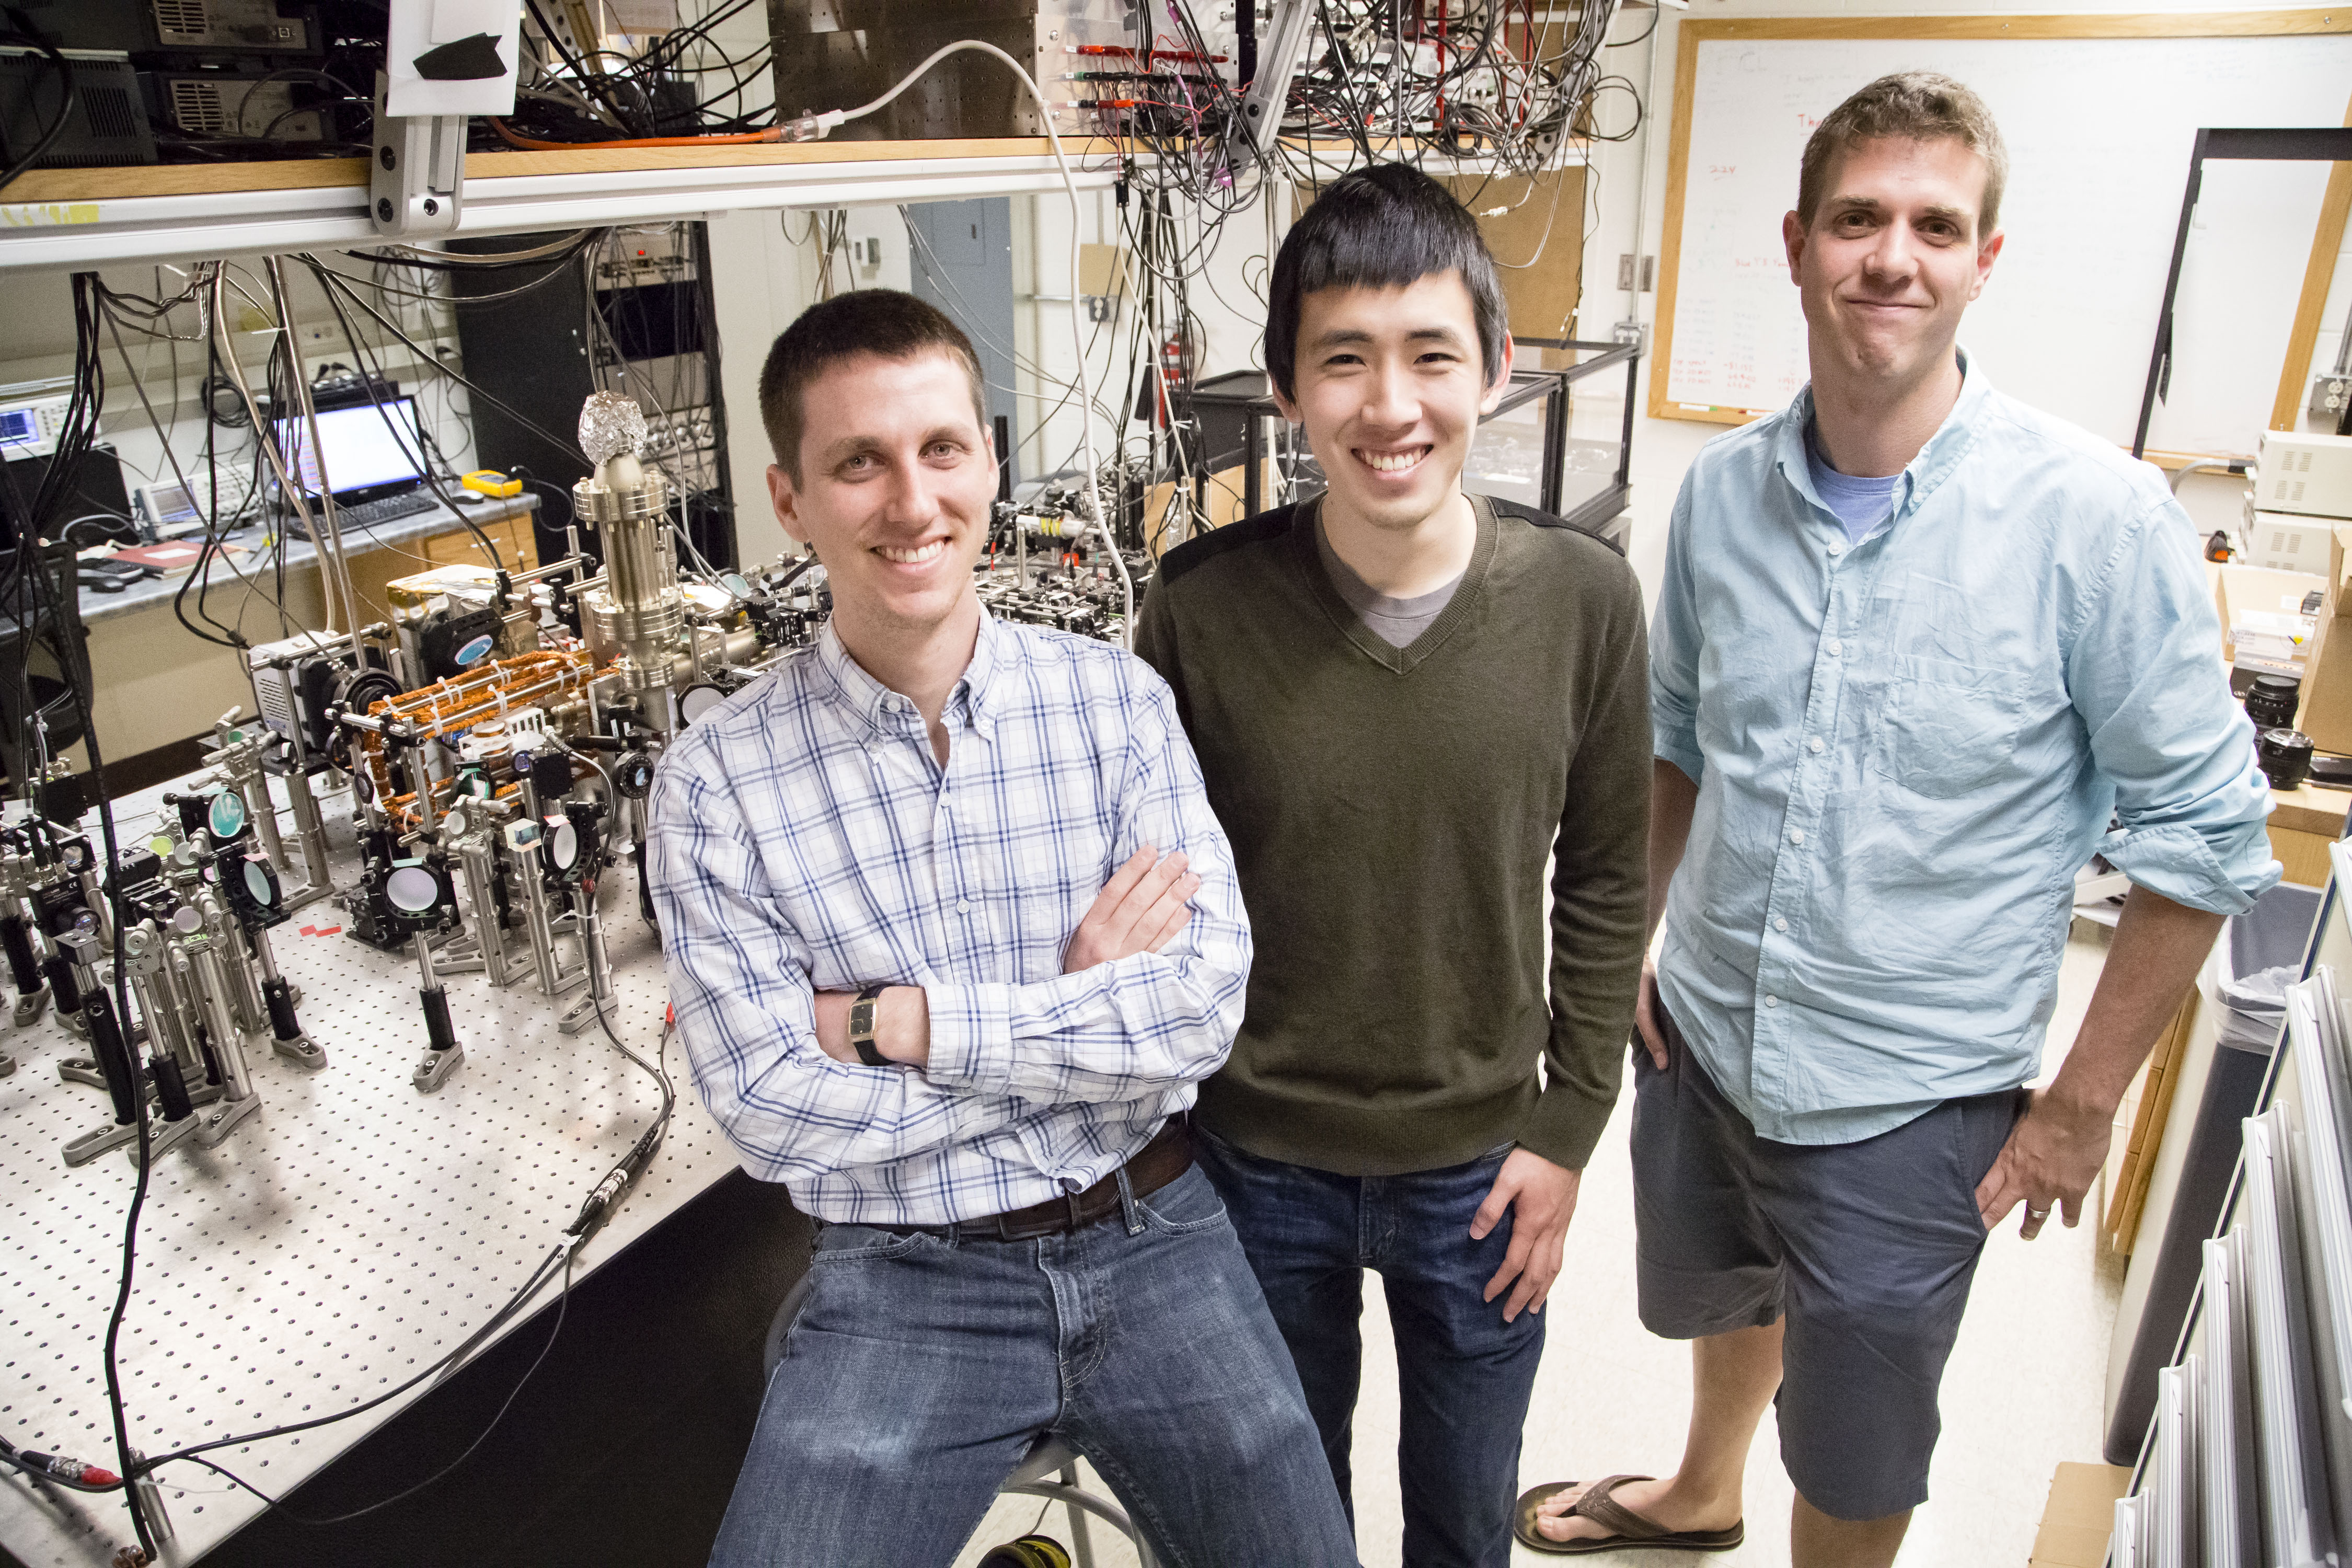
(249, 105)
(109, 124)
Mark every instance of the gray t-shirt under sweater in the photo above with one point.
(1396, 622)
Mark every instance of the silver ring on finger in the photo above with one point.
(2033, 1213)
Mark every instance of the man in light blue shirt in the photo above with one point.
(1919, 652)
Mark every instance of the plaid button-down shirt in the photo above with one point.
(804, 838)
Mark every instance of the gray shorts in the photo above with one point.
(1866, 1248)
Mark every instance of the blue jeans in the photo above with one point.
(923, 1366)
(1464, 1375)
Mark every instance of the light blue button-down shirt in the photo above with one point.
(803, 839)
(1905, 747)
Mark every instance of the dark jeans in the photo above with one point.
(922, 1367)
(1463, 1374)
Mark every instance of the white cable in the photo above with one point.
(821, 124)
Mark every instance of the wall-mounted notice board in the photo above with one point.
(2098, 112)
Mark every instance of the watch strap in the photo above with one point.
(861, 1027)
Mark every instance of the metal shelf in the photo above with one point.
(80, 219)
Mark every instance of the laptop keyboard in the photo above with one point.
(389, 509)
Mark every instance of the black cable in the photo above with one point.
(563, 1305)
(371, 378)
(22, 26)
(333, 280)
(539, 1277)
(590, 81)
(81, 422)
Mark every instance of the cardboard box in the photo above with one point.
(2326, 715)
(2080, 1516)
(2252, 601)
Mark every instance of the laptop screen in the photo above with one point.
(363, 451)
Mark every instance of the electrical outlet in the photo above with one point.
(2328, 395)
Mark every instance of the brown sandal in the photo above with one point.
(1627, 1528)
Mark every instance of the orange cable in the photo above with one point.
(531, 143)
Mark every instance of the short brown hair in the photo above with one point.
(1910, 106)
(863, 321)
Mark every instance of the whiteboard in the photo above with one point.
(2099, 131)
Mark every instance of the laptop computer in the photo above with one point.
(370, 452)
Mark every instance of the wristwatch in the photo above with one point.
(861, 1027)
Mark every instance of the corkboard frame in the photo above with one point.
(2327, 239)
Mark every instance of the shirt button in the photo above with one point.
(963, 906)
(1796, 835)
(1814, 745)
(1780, 922)
(1837, 549)
(1836, 647)
(1771, 1000)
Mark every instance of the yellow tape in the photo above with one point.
(47, 214)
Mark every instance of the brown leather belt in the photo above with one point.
(1167, 1156)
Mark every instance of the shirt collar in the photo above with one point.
(974, 699)
(1924, 474)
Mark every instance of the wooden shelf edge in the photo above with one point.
(72, 186)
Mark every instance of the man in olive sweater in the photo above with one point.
(1405, 699)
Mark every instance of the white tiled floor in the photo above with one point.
(2022, 1393)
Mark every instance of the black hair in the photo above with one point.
(863, 321)
(1385, 226)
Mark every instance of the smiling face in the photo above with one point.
(1390, 386)
(895, 480)
(1891, 260)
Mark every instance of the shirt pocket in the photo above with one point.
(1947, 729)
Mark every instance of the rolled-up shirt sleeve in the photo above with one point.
(1674, 644)
(2190, 804)
(739, 983)
(1139, 1025)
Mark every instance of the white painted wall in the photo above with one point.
(37, 343)
(1633, 176)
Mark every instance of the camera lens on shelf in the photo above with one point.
(2284, 757)
(2271, 702)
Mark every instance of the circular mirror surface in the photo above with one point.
(699, 700)
(563, 844)
(187, 920)
(734, 583)
(412, 889)
(227, 814)
(260, 885)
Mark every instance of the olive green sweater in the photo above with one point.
(1391, 812)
